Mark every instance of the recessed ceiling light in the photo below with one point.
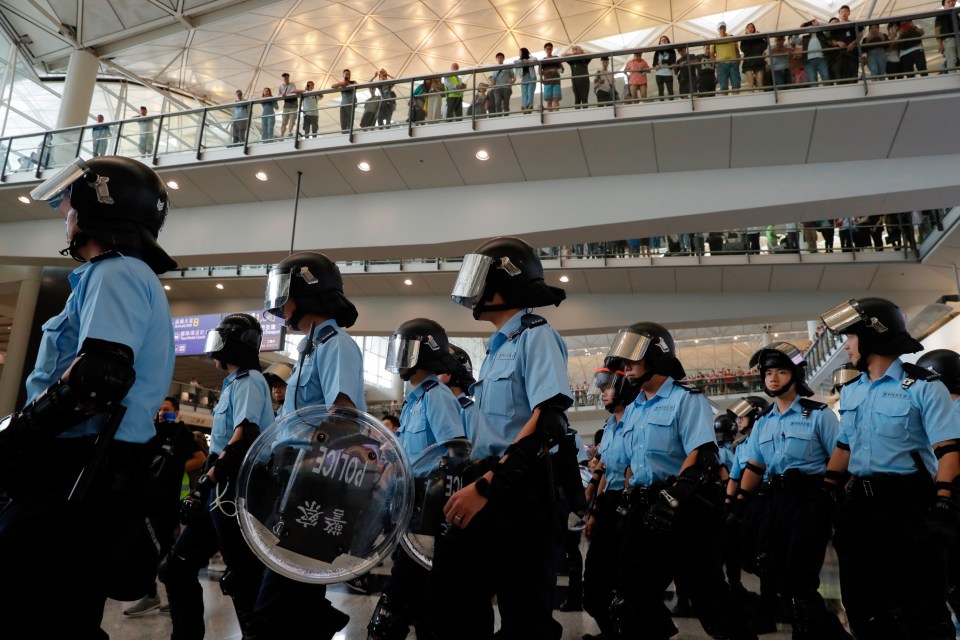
(261, 176)
(736, 337)
(564, 279)
(173, 185)
(696, 342)
(408, 282)
(24, 199)
(364, 166)
(776, 335)
(166, 287)
(219, 286)
(483, 155)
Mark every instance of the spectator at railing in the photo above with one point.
(778, 59)
(753, 50)
(454, 87)
(501, 88)
(912, 57)
(893, 50)
(348, 100)
(241, 117)
(844, 66)
(686, 70)
(268, 119)
(434, 97)
(637, 70)
(946, 36)
(528, 79)
(727, 55)
(604, 85)
(480, 100)
(388, 98)
(814, 46)
(874, 47)
(100, 133)
(579, 76)
(310, 104)
(288, 91)
(370, 110)
(706, 72)
(550, 78)
(663, 62)
(146, 133)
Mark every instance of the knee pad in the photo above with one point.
(390, 620)
(174, 570)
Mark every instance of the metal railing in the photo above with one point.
(764, 63)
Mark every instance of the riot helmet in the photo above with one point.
(725, 428)
(843, 375)
(749, 407)
(782, 355)
(510, 267)
(419, 344)
(277, 374)
(236, 341)
(651, 343)
(119, 202)
(462, 374)
(611, 375)
(313, 281)
(946, 364)
(879, 325)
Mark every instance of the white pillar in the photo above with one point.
(78, 89)
(19, 337)
(812, 326)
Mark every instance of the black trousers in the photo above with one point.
(892, 577)
(455, 108)
(581, 91)
(406, 587)
(74, 556)
(664, 82)
(601, 564)
(503, 552)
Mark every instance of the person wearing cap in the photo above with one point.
(792, 441)
(900, 441)
(75, 457)
(727, 57)
(288, 91)
(674, 497)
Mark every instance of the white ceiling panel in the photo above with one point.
(659, 280)
(769, 139)
(793, 278)
(747, 278)
(550, 155)
(425, 166)
(843, 133)
(383, 176)
(848, 277)
(697, 279)
(221, 185)
(320, 176)
(692, 145)
(606, 280)
(502, 165)
(913, 138)
(619, 150)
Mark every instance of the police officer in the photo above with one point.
(946, 364)
(604, 527)
(276, 376)
(789, 450)
(103, 368)
(306, 290)
(675, 497)
(899, 440)
(460, 379)
(418, 351)
(724, 430)
(501, 522)
(211, 524)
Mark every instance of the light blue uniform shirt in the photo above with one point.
(791, 441)
(428, 416)
(468, 416)
(740, 458)
(661, 432)
(612, 454)
(334, 367)
(882, 422)
(118, 300)
(242, 397)
(516, 376)
(727, 456)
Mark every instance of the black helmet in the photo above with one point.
(510, 267)
(236, 340)
(879, 325)
(844, 375)
(612, 375)
(946, 364)
(748, 407)
(120, 202)
(652, 343)
(462, 375)
(314, 283)
(419, 344)
(724, 427)
(782, 355)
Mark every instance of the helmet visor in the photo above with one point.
(629, 345)
(741, 408)
(53, 189)
(781, 349)
(471, 279)
(843, 316)
(214, 342)
(843, 376)
(402, 352)
(278, 291)
(602, 378)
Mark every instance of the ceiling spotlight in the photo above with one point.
(736, 338)
(696, 342)
(24, 199)
(166, 287)
(219, 286)
(364, 166)
(173, 185)
(483, 155)
(261, 176)
(408, 282)
(564, 279)
(776, 335)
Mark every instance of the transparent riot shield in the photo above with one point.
(441, 470)
(324, 494)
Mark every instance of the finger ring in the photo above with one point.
(458, 518)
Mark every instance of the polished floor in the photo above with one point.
(222, 625)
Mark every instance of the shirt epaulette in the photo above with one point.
(242, 373)
(428, 384)
(465, 401)
(325, 334)
(687, 387)
(915, 373)
(527, 321)
(764, 412)
(809, 406)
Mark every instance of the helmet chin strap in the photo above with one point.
(637, 382)
(294, 321)
(409, 374)
(78, 240)
(782, 390)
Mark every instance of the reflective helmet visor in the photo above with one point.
(629, 345)
(471, 279)
(843, 316)
(277, 293)
(843, 376)
(53, 189)
(741, 408)
(402, 352)
(602, 378)
(215, 342)
(790, 351)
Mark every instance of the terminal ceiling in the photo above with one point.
(209, 48)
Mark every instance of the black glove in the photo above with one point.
(943, 520)
(662, 515)
(830, 498)
(736, 511)
(193, 505)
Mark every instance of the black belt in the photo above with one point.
(793, 482)
(888, 484)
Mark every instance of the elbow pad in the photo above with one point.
(552, 424)
(99, 379)
(707, 466)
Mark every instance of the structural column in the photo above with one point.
(78, 89)
(15, 359)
